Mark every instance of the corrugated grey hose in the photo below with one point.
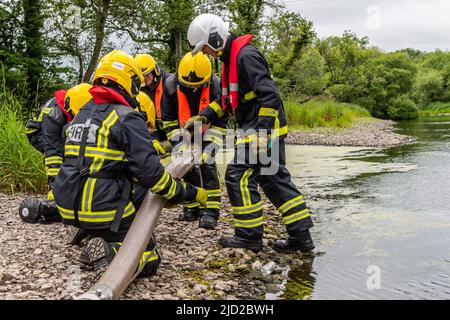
(122, 270)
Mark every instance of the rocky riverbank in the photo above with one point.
(37, 263)
(377, 133)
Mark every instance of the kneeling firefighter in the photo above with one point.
(154, 83)
(109, 151)
(45, 131)
(186, 96)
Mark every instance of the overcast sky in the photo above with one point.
(390, 25)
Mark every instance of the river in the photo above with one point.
(382, 218)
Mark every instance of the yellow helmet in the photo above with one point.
(194, 71)
(76, 97)
(122, 69)
(147, 64)
(146, 105)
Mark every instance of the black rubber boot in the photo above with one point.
(97, 253)
(79, 237)
(189, 214)
(254, 245)
(207, 222)
(302, 242)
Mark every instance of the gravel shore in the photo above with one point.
(377, 133)
(37, 263)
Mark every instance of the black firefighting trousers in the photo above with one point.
(210, 181)
(242, 179)
(150, 260)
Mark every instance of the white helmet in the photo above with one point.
(207, 29)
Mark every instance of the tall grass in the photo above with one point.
(21, 166)
(436, 108)
(323, 113)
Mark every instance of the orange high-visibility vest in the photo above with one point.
(184, 113)
(230, 84)
(158, 96)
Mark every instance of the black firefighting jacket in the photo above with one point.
(45, 132)
(169, 110)
(258, 93)
(118, 149)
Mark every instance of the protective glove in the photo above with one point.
(260, 145)
(162, 147)
(201, 197)
(189, 125)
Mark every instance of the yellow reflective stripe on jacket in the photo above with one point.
(248, 209)
(243, 184)
(162, 183)
(94, 152)
(252, 223)
(250, 96)
(103, 133)
(296, 217)
(173, 188)
(53, 160)
(217, 109)
(96, 216)
(291, 204)
(45, 110)
(268, 112)
(171, 123)
(174, 133)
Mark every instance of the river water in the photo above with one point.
(382, 218)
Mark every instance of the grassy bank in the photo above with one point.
(435, 109)
(21, 166)
(327, 113)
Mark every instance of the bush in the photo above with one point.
(21, 166)
(403, 108)
(326, 113)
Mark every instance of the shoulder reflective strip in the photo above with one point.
(191, 205)
(213, 204)
(217, 109)
(162, 183)
(252, 223)
(173, 188)
(243, 184)
(53, 160)
(291, 203)
(167, 124)
(103, 134)
(234, 86)
(268, 112)
(248, 209)
(296, 217)
(250, 96)
(174, 133)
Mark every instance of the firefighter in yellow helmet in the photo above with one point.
(47, 126)
(185, 96)
(154, 82)
(110, 164)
